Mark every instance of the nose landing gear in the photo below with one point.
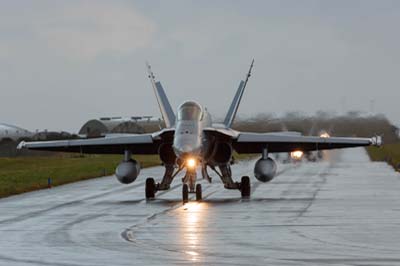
(190, 186)
(185, 193)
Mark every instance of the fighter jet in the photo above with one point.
(191, 141)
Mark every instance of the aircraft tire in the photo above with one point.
(150, 188)
(198, 192)
(185, 193)
(245, 187)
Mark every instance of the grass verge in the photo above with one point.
(389, 153)
(23, 174)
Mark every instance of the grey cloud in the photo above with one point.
(79, 30)
(78, 60)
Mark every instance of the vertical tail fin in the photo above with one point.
(163, 102)
(230, 116)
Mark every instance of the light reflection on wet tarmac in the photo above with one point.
(191, 219)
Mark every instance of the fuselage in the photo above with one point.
(190, 122)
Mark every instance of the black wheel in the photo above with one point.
(198, 192)
(150, 188)
(245, 187)
(185, 193)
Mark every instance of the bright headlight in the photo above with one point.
(191, 163)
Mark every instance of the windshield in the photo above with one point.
(189, 111)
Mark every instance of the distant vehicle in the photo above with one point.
(190, 140)
(297, 155)
(13, 132)
(313, 156)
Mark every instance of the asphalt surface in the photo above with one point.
(344, 211)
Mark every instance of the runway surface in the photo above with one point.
(345, 211)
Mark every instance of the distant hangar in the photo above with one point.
(15, 133)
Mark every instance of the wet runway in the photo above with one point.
(345, 211)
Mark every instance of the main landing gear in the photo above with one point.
(225, 174)
(152, 187)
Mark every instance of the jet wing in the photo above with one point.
(256, 142)
(137, 144)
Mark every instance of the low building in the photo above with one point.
(110, 125)
(52, 135)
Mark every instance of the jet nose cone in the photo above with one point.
(187, 144)
(185, 149)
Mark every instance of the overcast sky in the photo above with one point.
(65, 62)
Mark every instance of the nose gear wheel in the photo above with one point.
(185, 193)
(198, 192)
(245, 187)
(150, 188)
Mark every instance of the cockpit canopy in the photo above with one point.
(190, 111)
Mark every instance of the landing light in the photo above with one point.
(191, 163)
(297, 155)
